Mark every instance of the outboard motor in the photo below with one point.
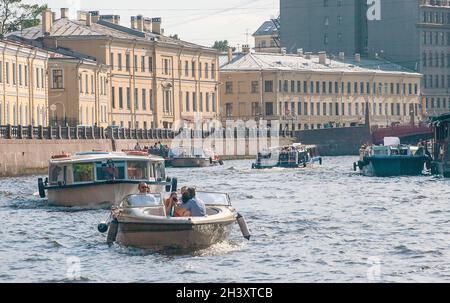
(243, 226)
(112, 231)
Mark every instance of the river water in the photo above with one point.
(325, 224)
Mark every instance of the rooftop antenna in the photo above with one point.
(247, 34)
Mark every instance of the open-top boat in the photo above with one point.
(141, 221)
(296, 155)
(93, 179)
(441, 145)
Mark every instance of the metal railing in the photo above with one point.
(93, 133)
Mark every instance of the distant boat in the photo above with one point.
(392, 159)
(441, 145)
(193, 157)
(296, 155)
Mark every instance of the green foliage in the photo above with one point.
(14, 15)
(222, 46)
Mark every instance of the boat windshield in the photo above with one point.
(213, 198)
(142, 200)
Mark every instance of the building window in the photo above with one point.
(193, 69)
(207, 102)
(111, 61)
(113, 97)
(268, 86)
(127, 62)
(167, 102)
(325, 39)
(229, 109)
(194, 102)
(57, 79)
(150, 64)
(206, 71)
(213, 71)
(128, 98)
(152, 105)
(187, 107)
(136, 67)
(228, 87)
(119, 61)
(136, 98)
(255, 87)
(143, 64)
(144, 99)
(269, 108)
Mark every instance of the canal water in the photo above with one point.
(326, 224)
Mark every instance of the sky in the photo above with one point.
(197, 21)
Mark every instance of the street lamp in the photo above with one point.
(54, 107)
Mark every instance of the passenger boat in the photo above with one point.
(441, 145)
(291, 156)
(392, 159)
(92, 179)
(141, 221)
(193, 157)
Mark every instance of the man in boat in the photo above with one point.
(191, 206)
(143, 188)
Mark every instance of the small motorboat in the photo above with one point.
(101, 179)
(193, 157)
(296, 155)
(392, 159)
(441, 145)
(141, 221)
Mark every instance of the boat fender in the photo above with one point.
(320, 160)
(112, 231)
(174, 184)
(354, 166)
(41, 188)
(243, 226)
(304, 164)
(210, 160)
(221, 162)
(102, 227)
(253, 166)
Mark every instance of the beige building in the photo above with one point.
(23, 82)
(267, 37)
(154, 81)
(308, 91)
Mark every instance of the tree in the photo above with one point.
(14, 15)
(222, 46)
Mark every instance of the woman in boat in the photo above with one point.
(193, 206)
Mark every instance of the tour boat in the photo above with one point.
(441, 145)
(141, 221)
(92, 179)
(392, 159)
(296, 155)
(193, 157)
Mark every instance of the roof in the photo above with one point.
(270, 27)
(280, 62)
(23, 46)
(89, 157)
(442, 118)
(223, 58)
(75, 29)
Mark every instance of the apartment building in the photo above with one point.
(307, 91)
(24, 83)
(434, 30)
(154, 81)
(267, 37)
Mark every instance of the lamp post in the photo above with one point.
(54, 107)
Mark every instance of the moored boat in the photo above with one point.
(93, 179)
(296, 155)
(141, 221)
(441, 145)
(392, 159)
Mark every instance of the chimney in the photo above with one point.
(116, 19)
(357, 57)
(300, 52)
(133, 22)
(308, 55)
(245, 48)
(140, 23)
(341, 56)
(322, 58)
(47, 18)
(64, 13)
(147, 24)
(156, 26)
(283, 51)
(81, 16)
(230, 54)
(53, 17)
(88, 19)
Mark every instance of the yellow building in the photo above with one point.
(307, 91)
(155, 81)
(267, 37)
(23, 82)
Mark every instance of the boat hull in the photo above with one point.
(191, 162)
(442, 168)
(173, 236)
(94, 195)
(313, 161)
(390, 166)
